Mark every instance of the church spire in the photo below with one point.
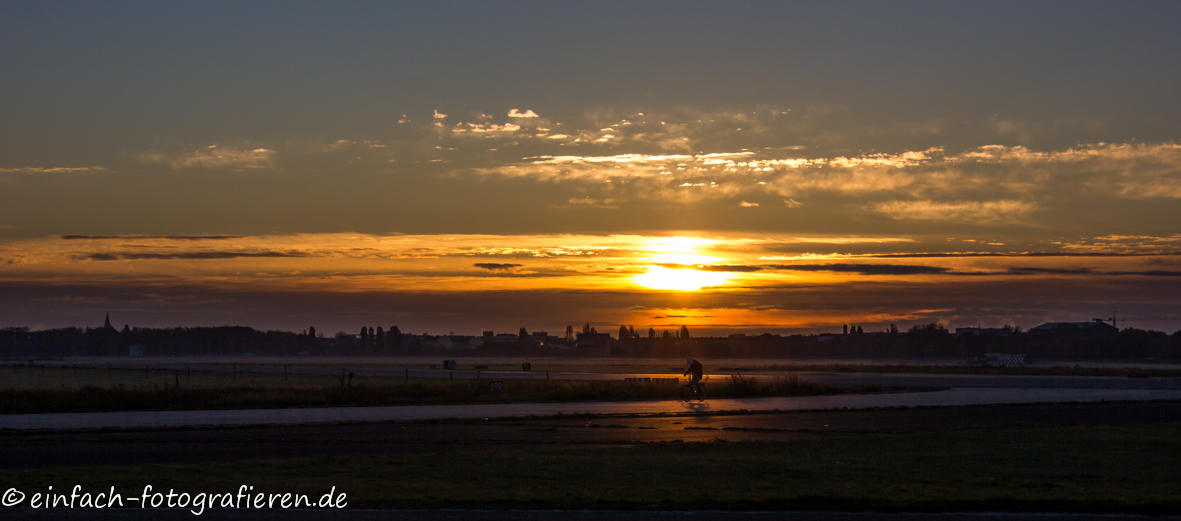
(107, 325)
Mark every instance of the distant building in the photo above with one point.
(541, 338)
(983, 331)
(595, 344)
(456, 342)
(1092, 328)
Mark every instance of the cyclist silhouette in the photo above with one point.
(695, 368)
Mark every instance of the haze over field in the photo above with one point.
(463, 167)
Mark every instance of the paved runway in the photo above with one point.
(950, 397)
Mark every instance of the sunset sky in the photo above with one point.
(465, 166)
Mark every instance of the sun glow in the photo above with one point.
(680, 280)
(679, 250)
(684, 258)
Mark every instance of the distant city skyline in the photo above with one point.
(760, 167)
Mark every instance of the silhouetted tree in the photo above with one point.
(524, 335)
(394, 338)
(380, 341)
(364, 340)
(651, 333)
(586, 328)
(569, 333)
(684, 331)
(666, 334)
(312, 331)
(631, 332)
(623, 333)
(371, 335)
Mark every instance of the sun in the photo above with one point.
(680, 279)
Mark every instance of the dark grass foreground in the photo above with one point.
(1075, 469)
(392, 392)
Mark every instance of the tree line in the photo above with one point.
(923, 341)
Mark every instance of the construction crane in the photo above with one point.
(1116, 321)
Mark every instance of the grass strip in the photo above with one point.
(380, 392)
(1131, 469)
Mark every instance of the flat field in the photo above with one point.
(1125, 469)
(33, 389)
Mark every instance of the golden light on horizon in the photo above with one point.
(680, 279)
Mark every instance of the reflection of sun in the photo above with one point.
(682, 280)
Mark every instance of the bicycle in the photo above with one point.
(689, 392)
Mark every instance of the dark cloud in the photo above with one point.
(1017, 270)
(497, 267)
(1088, 271)
(867, 269)
(714, 267)
(196, 255)
(925, 255)
(1066, 271)
(166, 237)
(1149, 273)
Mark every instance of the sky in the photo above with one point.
(458, 166)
